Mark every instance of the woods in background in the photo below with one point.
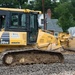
(64, 10)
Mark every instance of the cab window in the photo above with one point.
(33, 28)
(23, 20)
(18, 20)
(32, 21)
(14, 20)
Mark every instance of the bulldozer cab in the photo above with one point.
(20, 21)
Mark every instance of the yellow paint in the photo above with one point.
(19, 10)
(46, 40)
(18, 38)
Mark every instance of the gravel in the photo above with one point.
(66, 68)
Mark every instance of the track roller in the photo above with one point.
(8, 59)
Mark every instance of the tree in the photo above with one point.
(73, 4)
(12, 3)
(21, 2)
(66, 18)
(47, 4)
(62, 1)
(28, 6)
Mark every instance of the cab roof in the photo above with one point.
(19, 10)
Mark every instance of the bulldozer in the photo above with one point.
(23, 42)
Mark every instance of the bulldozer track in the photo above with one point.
(31, 56)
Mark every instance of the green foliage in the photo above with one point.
(66, 17)
(11, 3)
(62, 1)
(47, 4)
(38, 4)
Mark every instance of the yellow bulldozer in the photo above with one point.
(22, 42)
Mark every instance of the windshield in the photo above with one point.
(18, 20)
